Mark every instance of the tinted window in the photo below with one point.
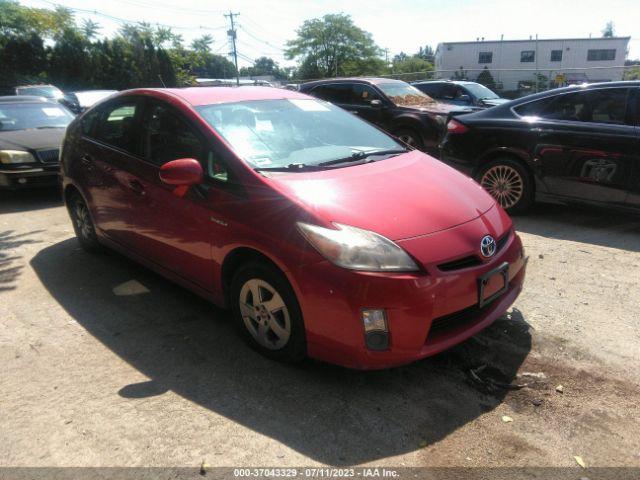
(363, 94)
(335, 93)
(432, 89)
(168, 137)
(88, 122)
(117, 127)
(449, 91)
(599, 106)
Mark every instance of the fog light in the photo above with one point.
(376, 334)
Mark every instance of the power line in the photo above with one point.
(260, 40)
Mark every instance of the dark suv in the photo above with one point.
(393, 105)
(466, 94)
(574, 144)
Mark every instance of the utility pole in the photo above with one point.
(232, 33)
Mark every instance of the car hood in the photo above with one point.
(492, 102)
(32, 139)
(400, 197)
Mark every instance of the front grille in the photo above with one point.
(472, 260)
(48, 156)
(457, 319)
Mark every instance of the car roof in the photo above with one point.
(455, 82)
(369, 80)
(575, 88)
(209, 95)
(25, 99)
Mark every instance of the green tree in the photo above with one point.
(264, 66)
(608, 30)
(427, 54)
(333, 45)
(486, 79)
(202, 44)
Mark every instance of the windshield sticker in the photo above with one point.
(261, 162)
(309, 105)
(53, 112)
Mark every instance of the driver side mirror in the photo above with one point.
(182, 173)
(465, 98)
(376, 103)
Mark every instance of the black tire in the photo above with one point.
(83, 224)
(295, 347)
(509, 182)
(410, 137)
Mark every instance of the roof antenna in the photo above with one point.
(162, 81)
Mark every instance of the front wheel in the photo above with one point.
(410, 137)
(267, 312)
(509, 183)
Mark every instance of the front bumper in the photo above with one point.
(28, 177)
(426, 312)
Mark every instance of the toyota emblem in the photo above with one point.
(487, 246)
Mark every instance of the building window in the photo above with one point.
(601, 54)
(528, 56)
(556, 55)
(485, 57)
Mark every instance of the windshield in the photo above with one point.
(480, 91)
(405, 95)
(281, 133)
(23, 116)
(42, 91)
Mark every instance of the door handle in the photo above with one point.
(137, 187)
(86, 159)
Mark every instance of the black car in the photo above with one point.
(393, 105)
(31, 131)
(467, 94)
(579, 143)
(80, 101)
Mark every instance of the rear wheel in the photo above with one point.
(509, 183)
(267, 312)
(83, 225)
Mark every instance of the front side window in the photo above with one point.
(25, 116)
(405, 95)
(528, 56)
(363, 94)
(556, 55)
(168, 137)
(481, 92)
(281, 133)
(117, 127)
(485, 57)
(596, 55)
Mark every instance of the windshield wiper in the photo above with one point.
(362, 155)
(292, 167)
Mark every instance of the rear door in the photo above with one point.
(633, 199)
(587, 144)
(108, 148)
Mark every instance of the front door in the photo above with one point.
(587, 145)
(176, 232)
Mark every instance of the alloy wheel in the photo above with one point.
(504, 183)
(408, 139)
(265, 314)
(83, 220)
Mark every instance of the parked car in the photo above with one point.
(31, 131)
(393, 105)
(574, 144)
(468, 94)
(48, 91)
(324, 235)
(79, 101)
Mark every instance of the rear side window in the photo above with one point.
(334, 93)
(117, 127)
(593, 106)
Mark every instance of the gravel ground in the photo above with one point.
(90, 378)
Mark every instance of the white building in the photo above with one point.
(514, 63)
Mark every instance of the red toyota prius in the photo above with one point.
(325, 236)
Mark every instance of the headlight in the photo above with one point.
(357, 249)
(15, 156)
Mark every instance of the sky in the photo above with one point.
(264, 26)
